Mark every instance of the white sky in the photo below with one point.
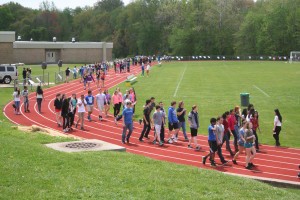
(60, 4)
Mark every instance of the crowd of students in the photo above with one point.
(242, 125)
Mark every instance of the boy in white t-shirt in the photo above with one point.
(81, 103)
(101, 100)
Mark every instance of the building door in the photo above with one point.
(50, 56)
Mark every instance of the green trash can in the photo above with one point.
(244, 99)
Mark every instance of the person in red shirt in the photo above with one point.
(255, 123)
(226, 137)
(231, 124)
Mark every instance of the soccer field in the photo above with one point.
(215, 86)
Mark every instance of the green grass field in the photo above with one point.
(216, 86)
(29, 170)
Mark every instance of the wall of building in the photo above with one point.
(81, 55)
(29, 56)
(6, 53)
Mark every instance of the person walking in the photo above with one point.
(101, 100)
(162, 131)
(72, 110)
(148, 69)
(255, 123)
(158, 120)
(25, 94)
(146, 121)
(231, 124)
(173, 123)
(81, 104)
(17, 99)
(115, 101)
(277, 126)
(65, 114)
(212, 142)
(127, 122)
(219, 138)
(67, 74)
(107, 102)
(249, 148)
(181, 111)
(57, 107)
(193, 120)
(75, 71)
(241, 141)
(90, 104)
(39, 98)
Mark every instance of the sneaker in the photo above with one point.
(248, 167)
(161, 143)
(154, 142)
(190, 147)
(234, 162)
(141, 140)
(123, 142)
(224, 162)
(213, 164)
(198, 148)
(170, 141)
(82, 129)
(251, 164)
(186, 139)
(175, 139)
(203, 160)
(100, 118)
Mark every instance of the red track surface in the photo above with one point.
(279, 164)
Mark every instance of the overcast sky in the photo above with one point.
(60, 4)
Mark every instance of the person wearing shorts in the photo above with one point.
(181, 112)
(193, 120)
(158, 120)
(241, 141)
(81, 103)
(107, 102)
(212, 142)
(90, 104)
(57, 106)
(101, 100)
(249, 148)
(173, 123)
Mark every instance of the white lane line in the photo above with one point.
(261, 91)
(179, 82)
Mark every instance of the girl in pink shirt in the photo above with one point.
(115, 101)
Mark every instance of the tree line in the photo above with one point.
(177, 27)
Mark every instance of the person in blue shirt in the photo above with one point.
(173, 122)
(90, 104)
(127, 122)
(212, 143)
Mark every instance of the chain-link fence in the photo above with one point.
(33, 82)
(60, 77)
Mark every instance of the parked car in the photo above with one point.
(9, 72)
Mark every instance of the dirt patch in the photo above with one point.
(47, 131)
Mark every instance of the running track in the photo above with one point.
(277, 163)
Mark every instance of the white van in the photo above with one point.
(8, 73)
